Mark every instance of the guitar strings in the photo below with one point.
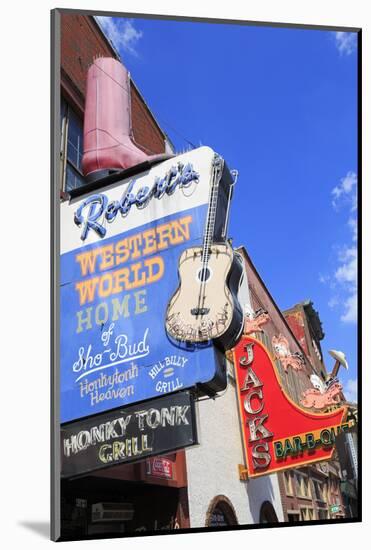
(207, 237)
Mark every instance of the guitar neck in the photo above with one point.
(211, 214)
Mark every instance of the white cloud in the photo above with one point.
(333, 302)
(121, 33)
(343, 282)
(346, 42)
(346, 276)
(347, 189)
(347, 271)
(352, 222)
(350, 390)
(350, 309)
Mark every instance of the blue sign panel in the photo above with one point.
(114, 295)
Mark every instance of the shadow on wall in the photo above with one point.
(258, 491)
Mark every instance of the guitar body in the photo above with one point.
(205, 305)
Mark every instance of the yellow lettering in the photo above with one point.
(121, 277)
(134, 243)
(151, 263)
(87, 261)
(138, 281)
(108, 259)
(105, 289)
(181, 229)
(164, 235)
(122, 252)
(149, 238)
(118, 448)
(87, 289)
(104, 456)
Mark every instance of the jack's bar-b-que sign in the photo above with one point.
(277, 433)
(136, 432)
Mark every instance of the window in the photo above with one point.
(307, 491)
(218, 518)
(306, 514)
(288, 483)
(71, 148)
(297, 484)
(318, 490)
(325, 491)
(302, 485)
(322, 513)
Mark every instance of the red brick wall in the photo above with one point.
(81, 42)
(145, 130)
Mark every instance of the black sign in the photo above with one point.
(130, 434)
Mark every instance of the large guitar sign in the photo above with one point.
(205, 306)
(120, 249)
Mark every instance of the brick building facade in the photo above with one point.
(82, 40)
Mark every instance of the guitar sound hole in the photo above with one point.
(204, 274)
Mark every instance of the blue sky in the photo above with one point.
(280, 105)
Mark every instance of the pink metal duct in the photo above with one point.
(108, 135)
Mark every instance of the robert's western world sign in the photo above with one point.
(139, 431)
(119, 255)
(277, 433)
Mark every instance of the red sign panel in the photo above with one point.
(277, 433)
(160, 467)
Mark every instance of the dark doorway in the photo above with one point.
(221, 513)
(267, 513)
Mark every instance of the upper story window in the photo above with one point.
(318, 490)
(302, 485)
(288, 483)
(71, 148)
